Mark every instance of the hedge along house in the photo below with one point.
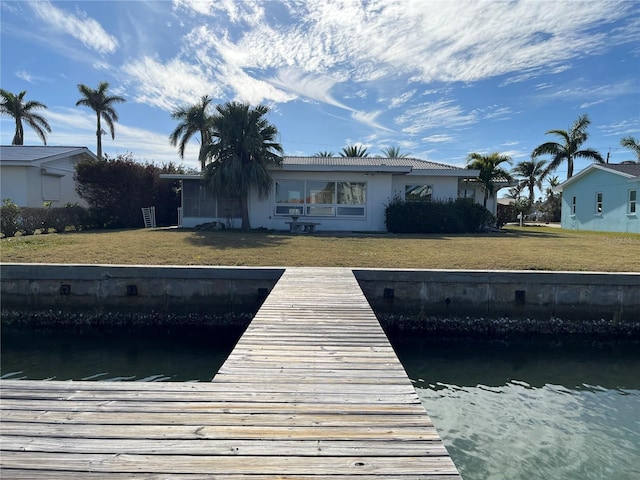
(602, 198)
(338, 193)
(33, 175)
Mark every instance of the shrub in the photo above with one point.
(32, 219)
(116, 190)
(457, 216)
(9, 218)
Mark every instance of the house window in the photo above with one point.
(598, 203)
(469, 193)
(417, 193)
(51, 187)
(631, 207)
(321, 198)
(573, 205)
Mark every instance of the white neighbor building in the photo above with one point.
(33, 175)
(339, 193)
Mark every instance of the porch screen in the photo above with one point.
(199, 201)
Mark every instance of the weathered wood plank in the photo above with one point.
(313, 389)
(229, 464)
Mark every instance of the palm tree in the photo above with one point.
(532, 173)
(101, 103)
(323, 154)
(354, 151)
(243, 146)
(569, 149)
(193, 119)
(16, 107)
(632, 144)
(393, 152)
(490, 170)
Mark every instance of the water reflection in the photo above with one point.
(532, 410)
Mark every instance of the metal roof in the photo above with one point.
(28, 154)
(632, 169)
(413, 163)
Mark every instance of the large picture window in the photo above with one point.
(320, 198)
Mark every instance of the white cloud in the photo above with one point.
(75, 127)
(439, 138)
(85, 29)
(369, 118)
(171, 84)
(24, 75)
(249, 11)
(439, 114)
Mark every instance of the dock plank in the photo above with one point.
(313, 389)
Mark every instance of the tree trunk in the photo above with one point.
(18, 138)
(99, 137)
(244, 206)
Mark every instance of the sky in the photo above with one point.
(439, 79)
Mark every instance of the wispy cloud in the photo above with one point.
(24, 75)
(439, 138)
(83, 28)
(169, 85)
(439, 114)
(75, 127)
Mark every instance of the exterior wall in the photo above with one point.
(613, 218)
(32, 186)
(444, 188)
(14, 185)
(381, 188)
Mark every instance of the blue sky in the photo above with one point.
(439, 79)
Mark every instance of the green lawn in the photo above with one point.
(528, 248)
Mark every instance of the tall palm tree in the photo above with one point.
(632, 144)
(393, 152)
(569, 149)
(243, 146)
(490, 170)
(532, 173)
(323, 154)
(100, 102)
(193, 119)
(16, 107)
(354, 151)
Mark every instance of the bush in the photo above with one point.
(32, 219)
(9, 218)
(457, 216)
(28, 219)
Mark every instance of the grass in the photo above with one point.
(528, 248)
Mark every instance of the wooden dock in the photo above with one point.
(313, 390)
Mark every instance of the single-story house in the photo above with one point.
(32, 175)
(602, 198)
(338, 193)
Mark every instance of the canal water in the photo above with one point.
(529, 409)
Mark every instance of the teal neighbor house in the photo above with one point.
(602, 198)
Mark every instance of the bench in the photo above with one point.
(297, 227)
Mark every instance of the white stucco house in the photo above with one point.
(602, 198)
(338, 193)
(32, 175)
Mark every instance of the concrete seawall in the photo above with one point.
(608, 298)
(512, 294)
